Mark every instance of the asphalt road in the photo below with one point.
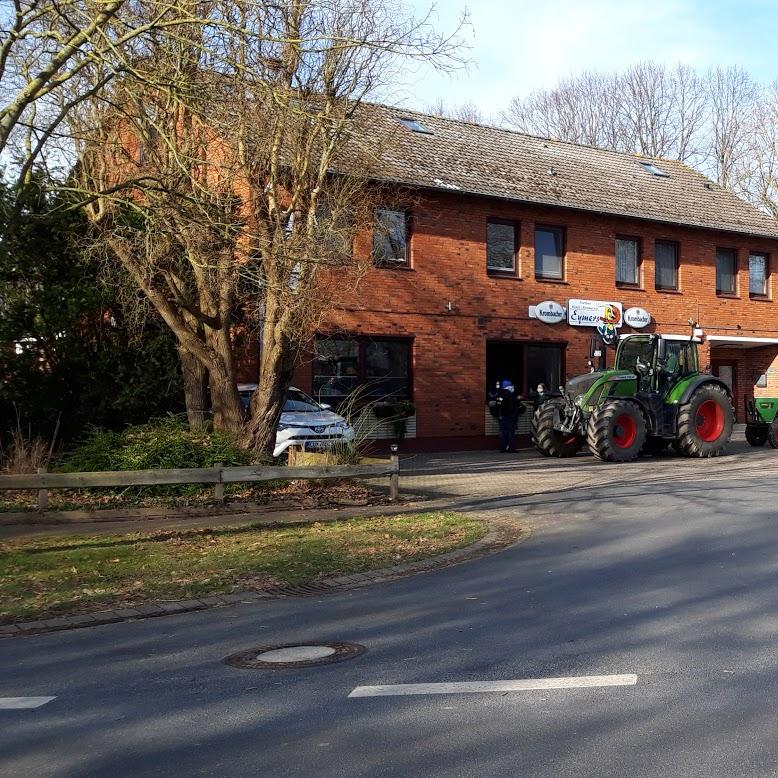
(674, 580)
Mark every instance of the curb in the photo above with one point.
(501, 535)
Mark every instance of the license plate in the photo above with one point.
(317, 445)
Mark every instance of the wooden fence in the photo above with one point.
(218, 476)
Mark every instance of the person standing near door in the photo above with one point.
(507, 415)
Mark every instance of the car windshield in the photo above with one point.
(299, 402)
(632, 349)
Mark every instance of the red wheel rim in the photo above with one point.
(625, 430)
(710, 421)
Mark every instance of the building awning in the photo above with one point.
(733, 341)
(726, 341)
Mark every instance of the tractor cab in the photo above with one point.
(657, 363)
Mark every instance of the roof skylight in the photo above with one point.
(650, 167)
(414, 125)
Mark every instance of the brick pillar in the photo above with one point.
(703, 350)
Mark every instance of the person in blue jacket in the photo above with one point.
(507, 415)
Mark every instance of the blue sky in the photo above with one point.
(519, 46)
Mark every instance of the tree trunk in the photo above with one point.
(275, 377)
(195, 390)
(225, 400)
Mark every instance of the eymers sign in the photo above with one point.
(592, 313)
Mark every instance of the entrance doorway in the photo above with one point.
(504, 361)
(726, 370)
(524, 364)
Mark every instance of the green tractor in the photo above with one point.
(655, 396)
(762, 421)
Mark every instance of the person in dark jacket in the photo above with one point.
(507, 415)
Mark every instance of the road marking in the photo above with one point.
(523, 685)
(23, 703)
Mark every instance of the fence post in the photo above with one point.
(43, 494)
(218, 489)
(394, 478)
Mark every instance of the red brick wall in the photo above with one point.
(448, 263)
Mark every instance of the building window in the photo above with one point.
(757, 274)
(726, 271)
(666, 262)
(501, 245)
(390, 237)
(368, 369)
(627, 262)
(549, 252)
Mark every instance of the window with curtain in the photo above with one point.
(549, 252)
(726, 271)
(627, 262)
(501, 246)
(757, 275)
(666, 265)
(390, 237)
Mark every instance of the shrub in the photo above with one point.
(162, 443)
(24, 453)
(165, 443)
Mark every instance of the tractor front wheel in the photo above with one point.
(616, 431)
(772, 435)
(705, 423)
(756, 434)
(549, 441)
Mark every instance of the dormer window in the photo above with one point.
(414, 125)
(651, 168)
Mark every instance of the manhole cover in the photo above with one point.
(294, 655)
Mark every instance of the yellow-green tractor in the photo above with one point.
(654, 396)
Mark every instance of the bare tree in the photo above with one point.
(465, 112)
(299, 126)
(732, 97)
(647, 110)
(758, 171)
(579, 109)
(226, 177)
(56, 53)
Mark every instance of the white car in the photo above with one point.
(304, 422)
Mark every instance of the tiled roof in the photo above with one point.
(482, 160)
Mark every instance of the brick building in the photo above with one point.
(502, 222)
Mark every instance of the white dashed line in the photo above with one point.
(23, 703)
(469, 687)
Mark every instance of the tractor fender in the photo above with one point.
(696, 383)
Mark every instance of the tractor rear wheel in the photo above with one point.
(756, 434)
(616, 431)
(705, 423)
(549, 441)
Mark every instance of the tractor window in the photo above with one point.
(632, 349)
(680, 358)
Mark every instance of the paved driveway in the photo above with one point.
(664, 570)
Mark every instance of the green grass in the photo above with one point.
(56, 575)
